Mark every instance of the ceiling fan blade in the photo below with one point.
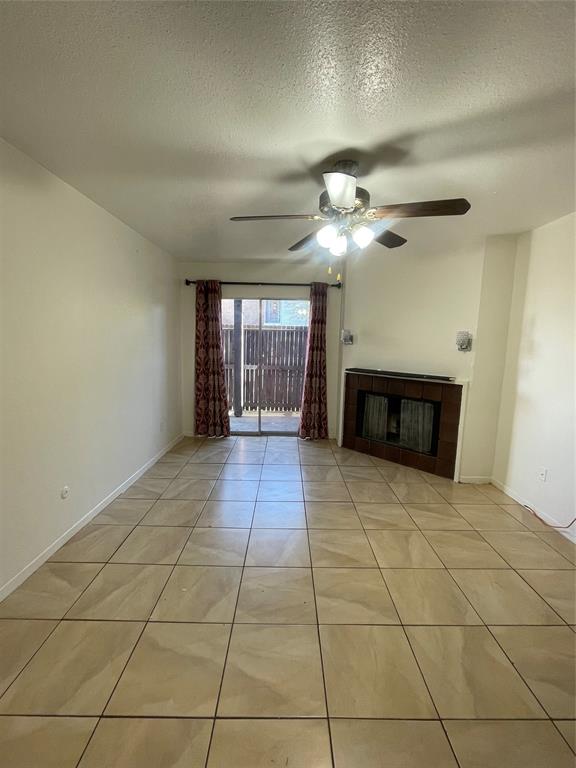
(341, 188)
(390, 239)
(454, 207)
(303, 243)
(305, 216)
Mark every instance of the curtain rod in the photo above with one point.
(291, 285)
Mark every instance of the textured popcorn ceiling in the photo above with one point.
(176, 116)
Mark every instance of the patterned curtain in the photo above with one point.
(211, 409)
(314, 412)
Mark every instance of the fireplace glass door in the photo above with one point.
(400, 421)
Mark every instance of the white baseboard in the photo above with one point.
(476, 479)
(568, 532)
(40, 559)
(510, 492)
(191, 434)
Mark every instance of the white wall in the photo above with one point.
(90, 358)
(405, 307)
(265, 272)
(483, 402)
(537, 415)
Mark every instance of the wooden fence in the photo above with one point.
(283, 358)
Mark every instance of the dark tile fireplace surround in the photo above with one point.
(411, 419)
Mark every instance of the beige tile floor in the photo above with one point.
(255, 602)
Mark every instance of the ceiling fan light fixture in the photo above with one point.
(347, 209)
(341, 188)
(327, 236)
(362, 235)
(340, 246)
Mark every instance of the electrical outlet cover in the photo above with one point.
(543, 474)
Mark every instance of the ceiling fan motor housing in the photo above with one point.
(349, 167)
(361, 203)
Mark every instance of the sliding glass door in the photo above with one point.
(240, 338)
(283, 337)
(264, 357)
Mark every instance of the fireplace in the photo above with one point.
(411, 419)
(401, 421)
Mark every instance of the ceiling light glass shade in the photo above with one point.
(362, 236)
(327, 236)
(341, 188)
(340, 246)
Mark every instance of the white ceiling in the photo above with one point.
(175, 116)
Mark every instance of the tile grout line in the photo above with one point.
(232, 623)
(555, 725)
(571, 568)
(324, 623)
(48, 636)
(61, 619)
(431, 697)
(303, 718)
(145, 624)
(487, 626)
(540, 534)
(565, 621)
(521, 676)
(415, 658)
(194, 526)
(339, 530)
(379, 568)
(510, 567)
(330, 740)
(83, 592)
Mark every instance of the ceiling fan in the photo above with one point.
(346, 209)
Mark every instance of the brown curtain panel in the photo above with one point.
(314, 411)
(211, 406)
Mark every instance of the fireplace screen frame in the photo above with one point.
(395, 401)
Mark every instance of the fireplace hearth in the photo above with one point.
(411, 419)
